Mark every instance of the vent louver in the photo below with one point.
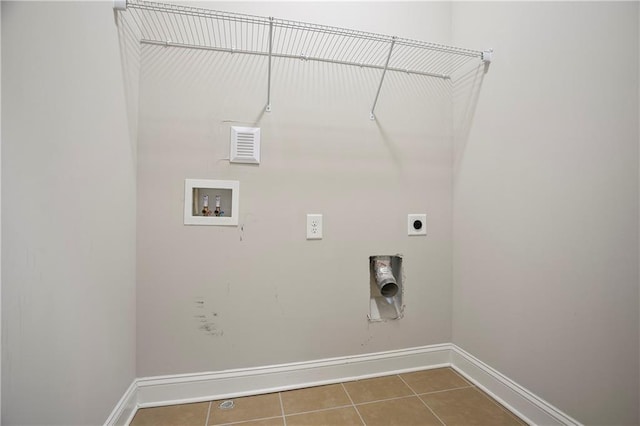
(245, 145)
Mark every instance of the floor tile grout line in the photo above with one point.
(445, 390)
(206, 421)
(384, 400)
(319, 410)
(352, 403)
(284, 418)
(250, 420)
(423, 402)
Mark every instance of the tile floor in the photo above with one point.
(430, 397)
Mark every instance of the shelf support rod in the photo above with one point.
(268, 108)
(386, 65)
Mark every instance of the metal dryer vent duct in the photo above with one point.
(383, 273)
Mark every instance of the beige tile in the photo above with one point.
(397, 412)
(338, 416)
(377, 389)
(317, 398)
(434, 380)
(172, 415)
(246, 408)
(468, 407)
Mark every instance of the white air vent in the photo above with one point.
(245, 145)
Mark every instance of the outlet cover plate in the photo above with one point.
(417, 224)
(314, 226)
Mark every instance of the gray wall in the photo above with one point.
(68, 216)
(546, 204)
(213, 298)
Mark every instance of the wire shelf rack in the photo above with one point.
(197, 28)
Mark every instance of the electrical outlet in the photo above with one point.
(314, 227)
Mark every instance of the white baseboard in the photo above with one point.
(197, 387)
(126, 408)
(166, 390)
(520, 401)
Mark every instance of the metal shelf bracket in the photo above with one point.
(268, 108)
(384, 71)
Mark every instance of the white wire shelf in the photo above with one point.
(198, 28)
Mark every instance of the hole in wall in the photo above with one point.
(385, 284)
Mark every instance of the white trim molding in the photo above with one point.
(198, 387)
(526, 405)
(176, 389)
(126, 408)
